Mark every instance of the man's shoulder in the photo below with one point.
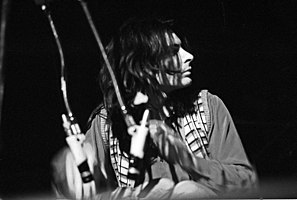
(208, 97)
(100, 110)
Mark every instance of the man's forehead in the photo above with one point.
(175, 38)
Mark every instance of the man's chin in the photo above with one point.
(186, 82)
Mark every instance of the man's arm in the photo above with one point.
(227, 166)
(66, 177)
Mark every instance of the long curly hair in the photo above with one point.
(136, 54)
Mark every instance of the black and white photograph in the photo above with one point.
(151, 99)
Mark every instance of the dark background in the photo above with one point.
(245, 52)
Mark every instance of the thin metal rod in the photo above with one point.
(62, 61)
(4, 14)
(129, 120)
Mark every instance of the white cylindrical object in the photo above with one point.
(138, 139)
(76, 149)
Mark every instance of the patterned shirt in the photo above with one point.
(195, 128)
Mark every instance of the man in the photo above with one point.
(193, 149)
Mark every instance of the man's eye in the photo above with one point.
(175, 48)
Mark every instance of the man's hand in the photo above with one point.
(158, 127)
(77, 188)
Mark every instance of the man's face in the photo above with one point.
(181, 62)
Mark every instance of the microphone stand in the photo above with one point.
(74, 137)
(139, 135)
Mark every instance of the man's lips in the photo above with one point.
(187, 71)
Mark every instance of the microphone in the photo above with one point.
(75, 140)
(137, 146)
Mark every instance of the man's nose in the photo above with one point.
(188, 57)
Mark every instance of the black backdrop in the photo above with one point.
(245, 52)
